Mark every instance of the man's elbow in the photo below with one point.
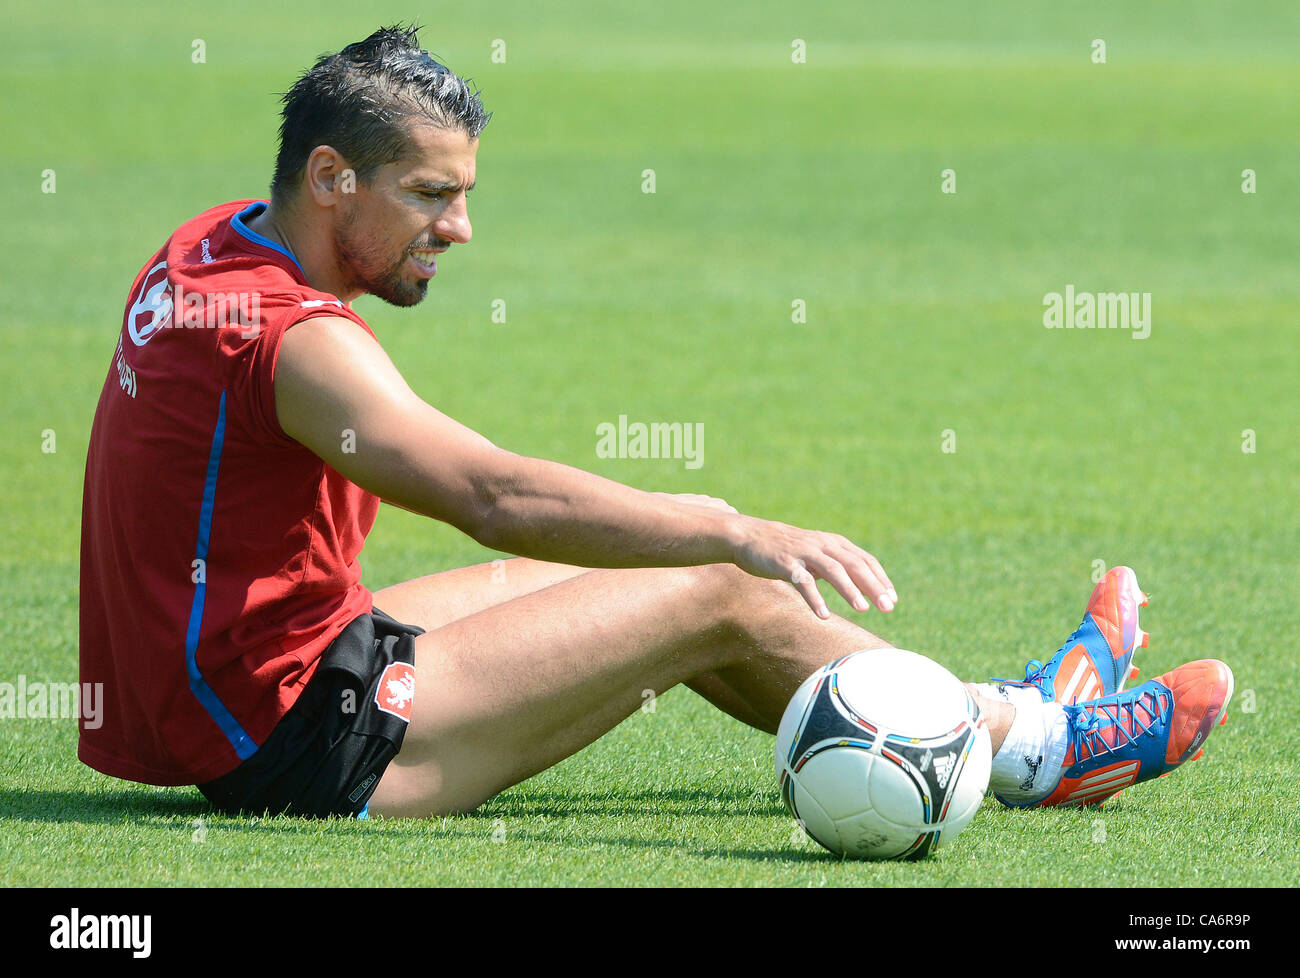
(491, 510)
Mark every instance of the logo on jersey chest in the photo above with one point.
(159, 306)
(152, 310)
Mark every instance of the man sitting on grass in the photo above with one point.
(234, 472)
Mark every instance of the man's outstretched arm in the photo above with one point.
(331, 376)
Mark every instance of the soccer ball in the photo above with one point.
(882, 753)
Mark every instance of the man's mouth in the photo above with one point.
(425, 259)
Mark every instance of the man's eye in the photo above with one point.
(431, 194)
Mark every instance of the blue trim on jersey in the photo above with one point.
(239, 740)
(250, 212)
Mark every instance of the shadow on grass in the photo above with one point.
(671, 802)
(810, 853)
(145, 805)
(99, 806)
(110, 806)
(678, 802)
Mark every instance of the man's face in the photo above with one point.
(390, 231)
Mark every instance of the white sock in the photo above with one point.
(1028, 764)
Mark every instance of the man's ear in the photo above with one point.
(328, 176)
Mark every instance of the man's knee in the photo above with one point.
(736, 598)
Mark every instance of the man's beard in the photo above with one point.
(360, 261)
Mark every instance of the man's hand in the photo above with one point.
(787, 553)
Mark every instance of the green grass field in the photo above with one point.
(775, 182)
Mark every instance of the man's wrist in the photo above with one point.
(734, 534)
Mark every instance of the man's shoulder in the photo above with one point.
(217, 246)
(217, 254)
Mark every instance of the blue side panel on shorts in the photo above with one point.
(239, 740)
(364, 813)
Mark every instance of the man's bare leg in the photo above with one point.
(516, 687)
(439, 599)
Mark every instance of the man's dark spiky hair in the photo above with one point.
(361, 100)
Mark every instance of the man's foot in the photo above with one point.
(1097, 659)
(1126, 738)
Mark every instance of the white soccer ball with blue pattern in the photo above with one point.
(883, 754)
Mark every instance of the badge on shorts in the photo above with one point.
(396, 690)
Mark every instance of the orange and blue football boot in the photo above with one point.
(1097, 659)
(1126, 738)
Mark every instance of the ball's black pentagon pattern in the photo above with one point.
(826, 724)
(935, 765)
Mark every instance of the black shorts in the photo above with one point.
(327, 754)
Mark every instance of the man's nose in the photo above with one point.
(453, 224)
